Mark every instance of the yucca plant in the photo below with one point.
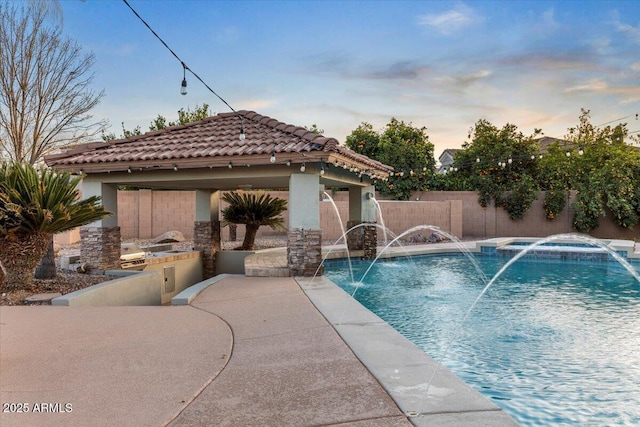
(253, 210)
(34, 205)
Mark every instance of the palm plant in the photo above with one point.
(253, 210)
(34, 205)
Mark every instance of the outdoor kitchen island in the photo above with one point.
(148, 277)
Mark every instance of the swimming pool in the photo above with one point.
(551, 342)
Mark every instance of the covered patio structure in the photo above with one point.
(229, 151)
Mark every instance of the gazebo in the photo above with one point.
(229, 151)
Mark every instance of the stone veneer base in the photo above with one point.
(370, 241)
(206, 238)
(304, 252)
(100, 248)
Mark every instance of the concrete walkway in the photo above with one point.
(246, 352)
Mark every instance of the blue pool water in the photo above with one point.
(551, 342)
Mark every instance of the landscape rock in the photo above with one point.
(435, 238)
(418, 238)
(169, 237)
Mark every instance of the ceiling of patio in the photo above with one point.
(209, 154)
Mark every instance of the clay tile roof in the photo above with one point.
(213, 137)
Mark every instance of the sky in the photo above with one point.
(442, 65)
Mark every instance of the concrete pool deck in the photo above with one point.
(246, 351)
(250, 351)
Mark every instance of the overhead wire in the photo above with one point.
(184, 65)
(617, 120)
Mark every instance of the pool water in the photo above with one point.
(551, 342)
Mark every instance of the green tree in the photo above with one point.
(402, 146)
(34, 205)
(253, 210)
(160, 122)
(603, 168)
(315, 129)
(496, 161)
(364, 140)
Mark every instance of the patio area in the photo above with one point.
(267, 351)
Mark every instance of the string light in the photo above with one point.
(185, 67)
(183, 87)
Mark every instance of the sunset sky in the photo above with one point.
(438, 64)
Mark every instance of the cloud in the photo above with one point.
(548, 18)
(449, 22)
(464, 80)
(629, 30)
(227, 34)
(574, 60)
(346, 67)
(257, 104)
(398, 70)
(594, 85)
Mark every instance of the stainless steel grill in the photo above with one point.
(131, 256)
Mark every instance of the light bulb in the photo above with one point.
(175, 168)
(183, 87)
(321, 169)
(568, 153)
(242, 135)
(510, 160)
(477, 159)
(230, 165)
(303, 168)
(288, 162)
(273, 157)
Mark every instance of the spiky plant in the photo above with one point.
(253, 210)
(34, 205)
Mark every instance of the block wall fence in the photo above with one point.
(146, 214)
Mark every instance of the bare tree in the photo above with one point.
(45, 93)
(45, 78)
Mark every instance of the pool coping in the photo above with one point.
(401, 367)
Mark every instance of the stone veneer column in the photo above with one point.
(100, 248)
(370, 241)
(362, 211)
(304, 252)
(304, 246)
(354, 237)
(206, 238)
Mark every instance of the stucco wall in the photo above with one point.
(147, 214)
(479, 222)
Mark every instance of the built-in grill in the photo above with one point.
(132, 256)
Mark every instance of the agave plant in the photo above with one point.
(253, 210)
(34, 205)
